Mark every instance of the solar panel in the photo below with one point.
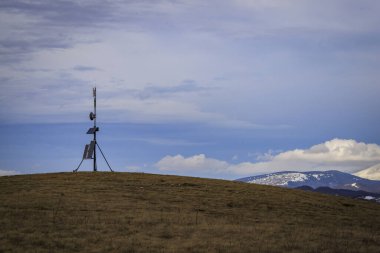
(89, 150)
(85, 151)
(92, 130)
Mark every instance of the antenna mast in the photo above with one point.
(90, 149)
(96, 129)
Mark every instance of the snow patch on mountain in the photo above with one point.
(281, 179)
(317, 176)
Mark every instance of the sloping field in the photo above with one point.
(130, 212)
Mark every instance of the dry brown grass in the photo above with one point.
(130, 212)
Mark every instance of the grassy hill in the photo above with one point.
(130, 212)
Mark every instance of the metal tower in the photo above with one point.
(90, 149)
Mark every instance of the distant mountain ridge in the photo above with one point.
(333, 179)
(344, 192)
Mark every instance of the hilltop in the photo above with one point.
(132, 212)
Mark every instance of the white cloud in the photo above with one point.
(337, 154)
(8, 173)
(198, 163)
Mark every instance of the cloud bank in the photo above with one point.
(337, 154)
(141, 55)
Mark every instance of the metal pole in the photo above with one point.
(78, 166)
(104, 157)
(94, 94)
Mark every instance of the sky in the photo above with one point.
(220, 89)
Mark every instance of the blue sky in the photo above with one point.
(204, 88)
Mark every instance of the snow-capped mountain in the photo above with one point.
(332, 178)
(372, 173)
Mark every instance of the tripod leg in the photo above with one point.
(78, 166)
(104, 157)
